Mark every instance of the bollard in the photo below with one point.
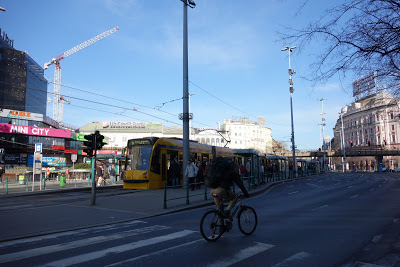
(165, 195)
(6, 185)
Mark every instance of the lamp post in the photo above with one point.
(185, 115)
(343, 144)
(291, 72)
(323, 129)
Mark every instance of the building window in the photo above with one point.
(393, 138)
(391, 115)
(378, 128)
(392, 127)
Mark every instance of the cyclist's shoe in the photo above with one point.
(227, 215)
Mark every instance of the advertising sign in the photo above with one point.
(13, 158)
(51, 162)
(15, 114)
(365, 84)
(29, 130)
(38, 162)
(38, 148)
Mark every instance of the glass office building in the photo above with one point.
(22, 83)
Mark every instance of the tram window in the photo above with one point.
(140, 157)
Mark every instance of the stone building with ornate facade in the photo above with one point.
(371, 122)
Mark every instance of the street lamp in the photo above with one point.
(343, 144)
(291, 72)
(186, 115)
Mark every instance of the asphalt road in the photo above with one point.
(322, 221)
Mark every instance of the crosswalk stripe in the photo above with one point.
(290, 261)
(243, 254)
(76, 244)
(74, 232)
(118, 249)
(154, 253)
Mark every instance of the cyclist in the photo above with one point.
(229, 175)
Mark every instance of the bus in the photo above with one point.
(148, 159)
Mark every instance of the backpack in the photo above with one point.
(215, 171)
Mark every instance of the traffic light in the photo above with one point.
(369, 143)
(351, 143)
(384, 141)
(99, 140)
(90, 144)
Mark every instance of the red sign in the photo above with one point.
(58, 147)
(71, 151)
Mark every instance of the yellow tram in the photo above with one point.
(148, 160)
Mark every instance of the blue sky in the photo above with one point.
(233, 55)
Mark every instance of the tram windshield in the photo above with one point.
(139, 157)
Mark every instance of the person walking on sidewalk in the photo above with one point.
(99, 174)
(174, 172)
(112, 174)
(191, 173)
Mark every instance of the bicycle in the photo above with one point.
(213, 223)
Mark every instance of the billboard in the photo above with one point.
(15, 114)
(365, 85)
(29, 130)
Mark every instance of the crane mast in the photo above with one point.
(58, 100)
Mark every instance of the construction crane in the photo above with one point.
(58, 100)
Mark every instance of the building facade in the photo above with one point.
(22, 83)
(370, 123)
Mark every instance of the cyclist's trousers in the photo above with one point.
(223, 193)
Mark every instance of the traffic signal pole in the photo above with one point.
(93, 198)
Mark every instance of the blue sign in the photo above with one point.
(38, 148)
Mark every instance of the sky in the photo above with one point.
(236, 66)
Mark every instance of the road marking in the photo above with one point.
(290, 261)
(76, 232)
(372, 189)
(153, 253)
(76, 244)
(118, 249)
(242, 255)
(313, 185)
(324, 206)
(350, 186)
(99, 208)
(354, 196)
(293, 192)
(15, 207)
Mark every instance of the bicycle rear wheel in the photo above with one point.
(247, 220)
(211, 226)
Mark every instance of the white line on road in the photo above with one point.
(354, 196)
(372, 189)
(290, 261)
(242, 255)
(91, 207)
(118, 249)
(350, 186)
(76, 244)
(125, 262)
(293, 192)
(75, 232)
(324, 206)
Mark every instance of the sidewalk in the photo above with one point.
(30, 221)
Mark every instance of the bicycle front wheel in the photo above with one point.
(211, 226)
(247, 220)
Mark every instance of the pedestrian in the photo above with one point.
(248, 168)
(1, 174)
(99, 175)
(174, 172)
(242, 171)
(112, 174)
(190, 173)
(200, 175)
(262, 171)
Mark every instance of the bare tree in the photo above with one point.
(278, 146)
(357, 37)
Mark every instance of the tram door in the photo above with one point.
(163, 166)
